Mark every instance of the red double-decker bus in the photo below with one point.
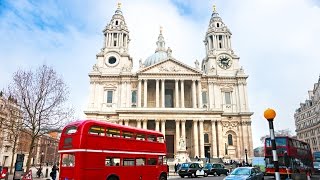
(294, 156)
(105, 151)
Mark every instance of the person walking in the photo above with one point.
(175, 168)
(53, 173)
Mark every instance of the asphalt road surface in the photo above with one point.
(315, 177)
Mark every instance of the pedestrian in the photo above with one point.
(175, 168)
(53, 173)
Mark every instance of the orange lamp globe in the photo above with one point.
(269, 114)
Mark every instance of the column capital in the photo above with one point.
(145, 80)
(157, 80)
(138, 120)
(181, 80)
(182, 120)
(163, 120)
(177, 120)
(213, 120)
(193, 80)
(201, 120)
(126, 120)
(176, 80)
(157, 120)
(195, 120)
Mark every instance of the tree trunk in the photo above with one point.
(13, 152)
(30, 152)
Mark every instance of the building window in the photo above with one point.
(206, 138)
(230, 142)
(228, 97)
(134, 97)
(109, 96)
(204, 97)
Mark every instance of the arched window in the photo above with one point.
(230, 142)
(206, 138)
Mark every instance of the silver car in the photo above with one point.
(245, 173)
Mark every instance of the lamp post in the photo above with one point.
(41, 158)
(270, 114)
(246, 152)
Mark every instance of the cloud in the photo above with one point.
(276, 40)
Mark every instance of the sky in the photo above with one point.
(277, 42)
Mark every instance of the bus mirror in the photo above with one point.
(286, 159)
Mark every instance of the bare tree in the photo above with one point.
(282, 132)
(42, 95)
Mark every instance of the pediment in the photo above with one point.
(169, 66)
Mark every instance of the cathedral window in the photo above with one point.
(134, 97)
(109, 96)
(206, 138)
(116, 22)
(227, 97)
(218, 25)
(204, 97)
(230, 142)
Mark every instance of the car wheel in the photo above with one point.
(215, 174)
(163, 177)
(205, 174)
(182, 176)
(218, 174)
(113, 178)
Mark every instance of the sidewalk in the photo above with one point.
(34, 176)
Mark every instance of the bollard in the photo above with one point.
(47, 172)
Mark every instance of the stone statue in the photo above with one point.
(169, 52)
(182, 144)
(95, 67)
(140, 63)
(197, 63)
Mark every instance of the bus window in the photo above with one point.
(128, 135)
(113, 132)
(67, 160)
(152, 161)
(97, 130)
(128, 162)
(111, 161)
(140, 137)
(152, 138)
(140, 162)
(160, 139)
(71, 130)
(160, 160)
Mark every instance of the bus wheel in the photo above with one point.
(163, 177)
(113, 178)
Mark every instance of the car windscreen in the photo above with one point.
(241, 171)
(316, 164)
(185, 165)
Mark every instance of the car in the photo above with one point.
(245, 173)
(191, 170)
(215, 169)
(316, 167)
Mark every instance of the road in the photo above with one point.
(221, 177)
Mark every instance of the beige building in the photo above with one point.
(205, 104)
(307, 118)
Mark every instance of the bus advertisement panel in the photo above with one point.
(106, 151)
(294, 156)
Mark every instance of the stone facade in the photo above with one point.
(205, 105)
(307, 119)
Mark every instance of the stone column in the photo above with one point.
(244, 137)
(199, 94)
(210, 95)
(194, 100)
(182, 93)
(214, 138)
(157, 93)
(250, 146)
(145, 93)
(183, 129)
(126, 122)
(177, 134)
(138, 123)
(177, 93)
(246, 108)
(162, 92)
(195, 138)
(139, 93)
(120, 122)
(92, 94)
(145, 123)
(220, 140)
(157, 124)
(201, 138)
(163, 127)
(240, 148)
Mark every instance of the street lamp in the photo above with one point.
(270, 114)
(41, 158)
(246, 152)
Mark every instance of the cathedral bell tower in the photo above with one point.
(114, 57)
(220, 58)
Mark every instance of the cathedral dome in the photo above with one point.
(160, 53)
(155, 58)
